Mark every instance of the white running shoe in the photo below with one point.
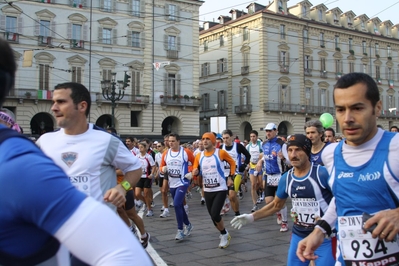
(188, 230)
(284, 227)
(164, 214)
(180, 235)
(254, 208)
(171, 204)
(279, 219)
(152, 204)
(150, 213)
(162, 209)
(224, 240)
(202, 201)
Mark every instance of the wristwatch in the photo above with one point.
(126, 185)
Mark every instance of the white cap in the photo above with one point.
(270, 126)
(156, 142)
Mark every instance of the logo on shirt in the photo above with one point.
(345, 175)
(300, 188)
(369, 177)
(69, 158)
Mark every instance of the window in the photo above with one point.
(364, 47)
(350, 44)
(323, 97)
(205, 46)
(308, 64)
(284, 97)
(44, 76)
(11, 29)
(77, 3)
(362, 24)
(172, 12)
(172, 43)
(76, 32)
(320, 14)
(336, 42)
(205, 69)
(389, 75)
(389, 51)
(221, 40)
(107, 5)
(282, 31)
(304, 11)
(245, 36)
(322, 43)
(136, 82)
(245, 59)
(377, 49)
(135, 39)
(388, 30)
(308, 92)
(222, 100)
(338, 67)
(351, 66)
(222, 65)
(305, 36)
(77, 74)
(244, 92)
(376, 29)
(364, 68)
(284, 61)
(107, 36)
(335, 18)
(44, 28)
(377, 72)
(349, 20)
(172, 84)
(136, 8)
(323, 64)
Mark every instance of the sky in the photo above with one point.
(384, 9)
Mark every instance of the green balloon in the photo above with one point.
(326, 120)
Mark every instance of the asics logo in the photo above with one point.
(369, 177)
(268, 157)
(300, 188)
(345, 175)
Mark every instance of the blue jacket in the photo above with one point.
(272, 163)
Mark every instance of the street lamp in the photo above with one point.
(109, 91)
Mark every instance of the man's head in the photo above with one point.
(253, 136)
(314, 131)
(209, 140)
(394, 129)
(174, 141)
(160, 146)
(166, 141)
(329, 135)
(271, 131)
(201, 145)
(130, 142)
(298, 149)
(227, 136)
(7, 69)
(357, 105)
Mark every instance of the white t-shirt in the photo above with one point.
(89, 159)
(147, 162)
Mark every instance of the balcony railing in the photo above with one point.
(77, 44)
(172, 54)
(212, 112)
(11, 36)
(324, 74)
(284, 69)
(127, 99)
(44, 40)
(243, 109)
(308, 72)
(297, 108)
(388, 114)
(182, 102)
(244, 70)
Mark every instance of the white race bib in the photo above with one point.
(305, 211)
(358, 248)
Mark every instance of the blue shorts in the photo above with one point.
(252, 171)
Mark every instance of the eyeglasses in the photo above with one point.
(159, 146)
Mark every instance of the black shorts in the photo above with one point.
(162, 180)
(144, 183)
(270, 191)
(129, 200)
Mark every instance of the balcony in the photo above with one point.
(172, 54)
(180, 102)
(308, 72)
(297, 108)
(204, 113)
(284, 69)
(324, 74)
(388, 114)
(30, 94)
(128, 99)
(77, 44)
(11, 37)
(243, 109)
(44, 41)
(245, 70)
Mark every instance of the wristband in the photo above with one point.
(325, 226)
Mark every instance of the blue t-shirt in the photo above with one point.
(36, 197)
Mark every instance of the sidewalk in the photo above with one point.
(259, 243)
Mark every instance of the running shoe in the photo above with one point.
(259, 200)
(164, 214)
(152, 204)
(150, 213)
(188, 230)
(162, 209)
(145, 240)
(254, 208)
(202, 201)
(180, 235)
(279, 219)
(240, 195)
(171, 205)
(284, 227)
(224, 240)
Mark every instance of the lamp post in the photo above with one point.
(109, 91)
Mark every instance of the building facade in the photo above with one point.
(279, 64)
(95, 42)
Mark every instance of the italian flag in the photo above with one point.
(43, 94)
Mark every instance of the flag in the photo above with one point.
(44, 94)
(28, 55)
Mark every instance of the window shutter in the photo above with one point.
(225, 65)
(280, 88)
(115, 36)
(178, 43)
(47, 77)
(165, 84)
(177, 16)
(79, 74)
(167, 11)
(37, 28)
(129, 38)
(279, 58)
(311, 62)
(138, 87)
(219, 66)
(102, 5)
(319, 96)
(2, 21)
(130, 7)
(83, 2)
(19, 25)
(327, 99)
(142, 36)
(142, 8)
(133, 83)
(113, 6)
(208, 69)
(85, 30)
(248, 96)
(52, 27)
(100, 34)
(287, 54)
(165, 42)
(69, 31)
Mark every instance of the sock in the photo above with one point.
(237, 213)
(166, 209)
(223, 232)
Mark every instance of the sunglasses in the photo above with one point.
(159, 146)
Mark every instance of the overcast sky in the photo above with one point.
(384, 9)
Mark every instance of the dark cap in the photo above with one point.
(300, 141)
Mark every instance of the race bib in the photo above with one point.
(272, 180)
(82, 183)
(211, 181)
(362, 249)
(304, 212)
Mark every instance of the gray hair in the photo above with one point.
(315, 123)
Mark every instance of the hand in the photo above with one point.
(189, 176)
(307, 246)
(242, 168)
(164, 169)
(195, 172)
(116, 196)
(387, 224)
(241, 220)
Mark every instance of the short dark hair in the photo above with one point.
(112, 130)
(254, 132)
(394, 127)
(175, 135)
(79, 93)
(330, 129)
(348, 80)
(8, 67)
(132, 139)
(227, 131)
